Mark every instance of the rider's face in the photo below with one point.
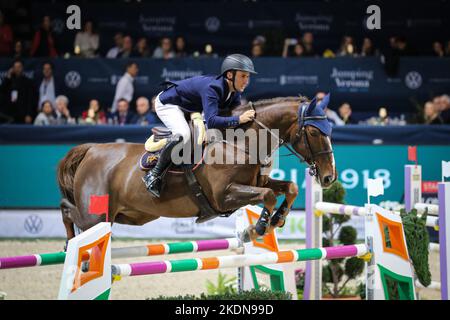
(242, 80)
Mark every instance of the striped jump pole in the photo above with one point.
(125, 252)
(336, 208)
(432, 208)
(235, 261)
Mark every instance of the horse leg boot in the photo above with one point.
(152, 179)
(238, 195)
(290, 190)
(263, 222)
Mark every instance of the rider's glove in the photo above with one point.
(197, 118)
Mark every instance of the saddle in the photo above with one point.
(153, 146)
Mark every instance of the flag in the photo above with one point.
(412, 153)
(99, 205)
(375, 187)
(445, 169)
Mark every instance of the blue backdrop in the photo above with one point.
(360, 81)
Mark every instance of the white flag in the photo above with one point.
(445, 169)
(375, 187)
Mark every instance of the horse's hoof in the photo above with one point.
(277, 221)
(260, 228)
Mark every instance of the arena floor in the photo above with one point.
(39, 283)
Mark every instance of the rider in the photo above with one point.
(197, 94)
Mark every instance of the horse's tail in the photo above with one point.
(67, 168)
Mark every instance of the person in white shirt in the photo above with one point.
(125, 88)
(62, 111)
(114, 51)
(47, 86)
(87, 42)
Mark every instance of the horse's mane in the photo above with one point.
(265, 102)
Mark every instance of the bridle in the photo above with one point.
(311, 160)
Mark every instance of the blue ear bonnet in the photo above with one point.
(313, 114)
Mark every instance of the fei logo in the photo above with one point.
(374, 20)
(73, 22)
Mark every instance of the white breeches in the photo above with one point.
(173, 118)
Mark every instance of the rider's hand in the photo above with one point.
(197, 118)
(247, 116)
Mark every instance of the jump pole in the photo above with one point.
(125, 252)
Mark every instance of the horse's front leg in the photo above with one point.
(239, 195)
(290, 190)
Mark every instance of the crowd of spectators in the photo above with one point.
(88, 41)
(25, 102)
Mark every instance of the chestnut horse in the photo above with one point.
(111, 168)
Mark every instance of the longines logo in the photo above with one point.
(33, 224)
(72, 79)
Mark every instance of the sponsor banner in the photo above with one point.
(48, 224)
(362, 82)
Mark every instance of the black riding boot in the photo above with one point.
(152, 179)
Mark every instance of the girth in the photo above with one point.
(206, 211)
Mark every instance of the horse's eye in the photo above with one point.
(314, 133)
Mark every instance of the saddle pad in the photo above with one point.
(148, 160)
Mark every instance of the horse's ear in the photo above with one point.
(311, 106)
(324, 103)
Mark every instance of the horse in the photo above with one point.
(111, 168)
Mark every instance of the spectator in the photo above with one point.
(391, 58)
(209, 52)
(180, 48)
(308, 44)
(123, 115)
(17, 95)
(94, 115)
(442, 103)
(431, 114)
(142, 50)
(345, 113)
(328, 53)
(257, 50)
(347, 47)
(47, 86)
(261, 40)
(331, 115)
(62, 111)
(43, 44)
(382, 119)
(298, 50)
(367, 48)
(145, 115)
(125, 87)
(127, 48)
(19, 52)
(6, 37)
(114, 51)
(403, 48)
(164, 51)
(447, 49)
(438, 49)
(45, 117)
(87, 41)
